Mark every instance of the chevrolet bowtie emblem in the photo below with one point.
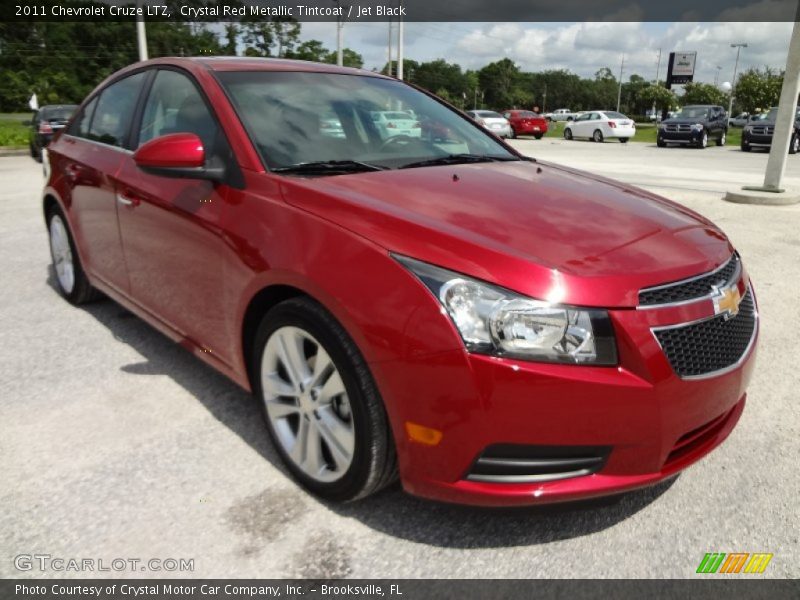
(726, 300)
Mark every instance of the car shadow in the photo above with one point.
(392, 512)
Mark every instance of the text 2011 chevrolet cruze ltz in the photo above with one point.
(405, 294)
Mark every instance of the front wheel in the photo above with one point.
(623, 140)
(745, 147)
(794, 144)
(722, 139)
(660, 142)
(321, 405)
(597, 136)
(70, 277)
(703, 143)
(567, 133)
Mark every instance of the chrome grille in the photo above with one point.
(711, 346)
(681, 128)
(764, 130)
(692, 288)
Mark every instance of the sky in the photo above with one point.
(583, 48)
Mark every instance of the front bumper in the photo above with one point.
(764, 141)
(681, 137)
(653, 422)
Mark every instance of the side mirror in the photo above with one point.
(178, 155)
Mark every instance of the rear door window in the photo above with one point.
(80, 126)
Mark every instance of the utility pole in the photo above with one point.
(544, 100)
(716, 77)
(735, 68)
(389, 52)
(658, 65)
(400, 47)
(619, 91)
(141, 35)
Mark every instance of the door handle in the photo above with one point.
(126, 199)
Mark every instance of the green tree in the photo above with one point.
(499, 81)
(271, 38)
(703, 93)
(658, 96)
(758, 89)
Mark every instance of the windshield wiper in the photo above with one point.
(330, 166)
(455, 159)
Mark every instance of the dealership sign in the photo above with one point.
(681, 67)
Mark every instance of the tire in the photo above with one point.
(745, 147)
(32, 150)
(794, 144)
(570, 119)
(567, 133)
(539, 136)
(360, 459)
(722, 138)
(70, 277)
(597, 136)
(703, 141)
(623, 140)
(660, 142)
(513, 134)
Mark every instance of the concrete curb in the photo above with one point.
(763, 198)
(11, 151)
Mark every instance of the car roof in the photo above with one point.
(248, 63)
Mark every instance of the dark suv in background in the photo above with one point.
(44, 125)
(695, 126)
(758, 134)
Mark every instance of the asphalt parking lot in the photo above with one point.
(116, 443)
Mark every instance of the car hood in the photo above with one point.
(537, 228)
(682, 121)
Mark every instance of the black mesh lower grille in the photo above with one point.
(712, 345)
(688, 290)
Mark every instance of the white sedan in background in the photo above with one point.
(494, 122)
(597, 125)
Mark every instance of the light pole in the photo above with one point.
(716, 77)
(735, 68)
(339, 26)
(619, 90)
(141, 35)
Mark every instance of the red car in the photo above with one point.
(526, 122)
(494, 329)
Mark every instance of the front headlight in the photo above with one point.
(697, 127)
(492, 320)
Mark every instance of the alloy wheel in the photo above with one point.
(307, 404)
(62, 254)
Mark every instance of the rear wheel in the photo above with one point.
(513, 134)
(597, 136)
(722, 139)
(70, 277)
(567, 133)
(794, 144)
(321, 405)
(539, 136)
(623, 140)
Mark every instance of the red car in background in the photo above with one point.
(526, 122)
(489, 328)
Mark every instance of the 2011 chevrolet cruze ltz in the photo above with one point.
(406, 295)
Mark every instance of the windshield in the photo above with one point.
(383, 122)
(772, 115)
(693, 112)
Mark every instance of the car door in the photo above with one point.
(580, 125)
(172, 228)
(90, 155)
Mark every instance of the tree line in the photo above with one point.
(61, 62)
